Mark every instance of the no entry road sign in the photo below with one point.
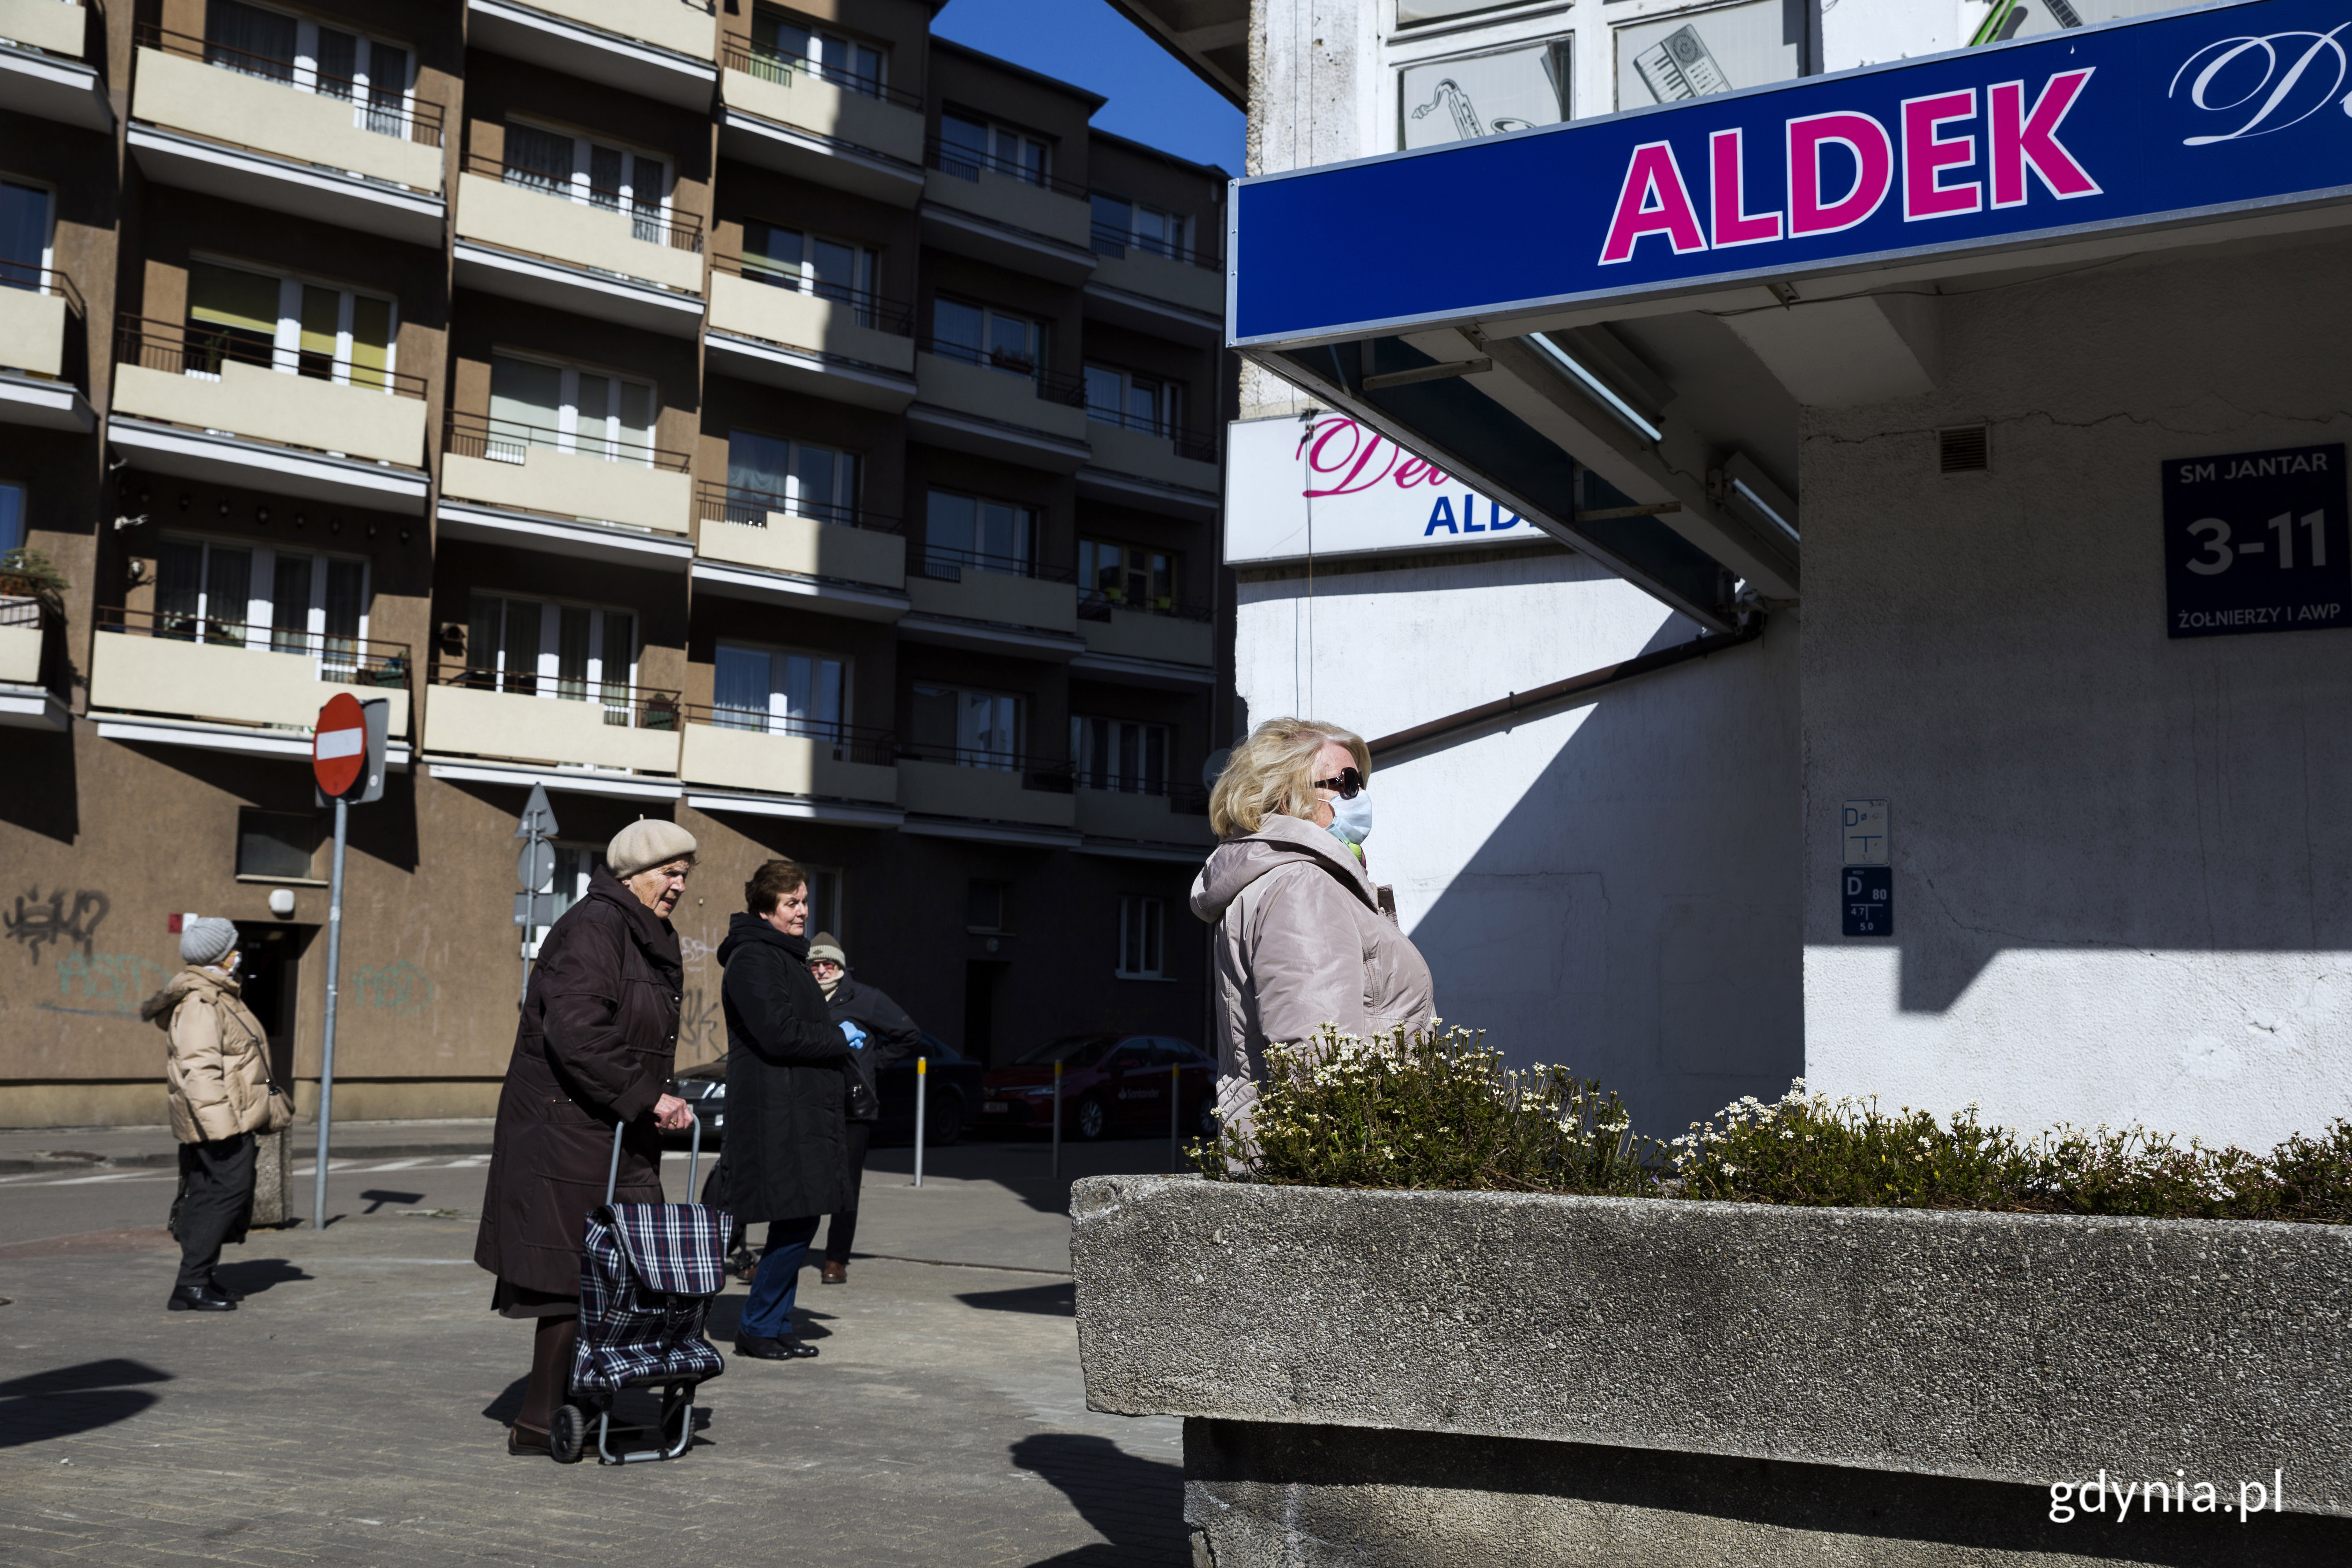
(339, 746)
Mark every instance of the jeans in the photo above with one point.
(842, 1231)
(767, 1315)
(219, 1177)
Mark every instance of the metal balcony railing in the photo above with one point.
(1096, 603)
(1200, 445)
(943, 564)
(750, 507)
(341, 659)
(625, 706)
(965, 163)
(774, 65)
(18, 610)
(1055, 776)
(1112, 240)
(504, 440)
(199, 348)
(883, 314)
(846, 742)
(394, 114)
(653, 222)
(35, 279)
(1066, 390)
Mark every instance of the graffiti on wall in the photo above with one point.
(110, 983)
(701, 1035)
(63, 919)
(396, 987)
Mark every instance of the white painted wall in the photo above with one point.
(2123, 864)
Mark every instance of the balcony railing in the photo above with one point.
(387, 114)
(198, 348)
(41, 280)
(19, 610)
(504, 440)
(943, 564)
(1200, 445)
(1054, 775)
(846, 742)
(625, 706)
(883, 314)
(750, 509)
(774, 65)
(1066, 390)
(1191, 799)
(1096, 603)
(964, 163)
(655, 224)
(343, 660)
(1115, 242)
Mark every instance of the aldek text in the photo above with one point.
(1842, 167)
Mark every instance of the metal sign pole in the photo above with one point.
(922, 1086)
(1174, 1084)
(327, 1050)
(1057, 1119)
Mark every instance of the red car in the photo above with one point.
(1111, 1084)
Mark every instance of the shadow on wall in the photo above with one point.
(1137, 1505)
(1635, 914)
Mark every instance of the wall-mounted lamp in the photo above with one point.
(1592, 384)
(281, 901)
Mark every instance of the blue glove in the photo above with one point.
(854, 1035)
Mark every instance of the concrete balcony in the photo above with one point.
(141, 664)
(784, 114)
(1036, 421)
(636, 268)
(990, 612)
(1140, 818)
(749, 547)
(505, 483)
(27, 701)
(1155, 471)
(248, 134)
(995, 794)
(638, 733)
(42, 338)
(46, 75)
(1199, 290)
(857, 766)
(853, 350)
(661, 50)
(1043, 229)
(1141, 634)
(46, 25)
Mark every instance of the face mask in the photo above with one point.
(1351, 820)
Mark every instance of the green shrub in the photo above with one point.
(1440, 1111)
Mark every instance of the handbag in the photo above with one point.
(281, 1110)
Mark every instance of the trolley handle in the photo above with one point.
(693, 1157)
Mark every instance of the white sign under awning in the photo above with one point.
(1338, 488)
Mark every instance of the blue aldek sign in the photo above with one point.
(2132, 124)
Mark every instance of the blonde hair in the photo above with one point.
(1272, 774)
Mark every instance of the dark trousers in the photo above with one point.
(776, 1285)
(844, 1229)
(218, 1184)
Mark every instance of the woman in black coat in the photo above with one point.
(787, 1092)
(594, 1049)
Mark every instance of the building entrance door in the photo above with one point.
(982, 979)
(270, 960)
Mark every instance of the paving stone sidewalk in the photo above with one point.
(351, 1412)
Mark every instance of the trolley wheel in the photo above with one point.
(567, 1434)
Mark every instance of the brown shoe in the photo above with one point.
(522, 1439)
(835, 1273)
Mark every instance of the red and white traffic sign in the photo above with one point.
(338, 745)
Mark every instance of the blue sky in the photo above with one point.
(1153, 98)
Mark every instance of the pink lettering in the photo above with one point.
(1873, 155)
(1734, 225)
(1926, 154)
(1653, 200)
(1362, 447)
(1409, 472)
(2018, 140)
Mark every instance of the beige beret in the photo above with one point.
(649, 841)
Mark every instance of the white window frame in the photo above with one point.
(286, 348)
(848, 474)
(780, 719)
(973, 757)
(1001, 136)
(567, 413)
(261, 588)
(546, 672)
(1029, 517)
(1080, 735)
(802, 280)
(820, 34)
(1151, 914)
(582, 190)
(1168, 396)
(1038, 331)
(1179, 225)
(306, 67)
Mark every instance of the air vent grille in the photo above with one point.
(1964, 449)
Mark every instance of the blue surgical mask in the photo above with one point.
(1351, 820)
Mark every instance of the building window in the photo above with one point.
(1130, 576)
(586, 170)
(282, 846)
(984, 335)
(281, 600)
(1120, 755)
(311, 56)
(969, 144)
(534, 649)
(983, 905)
(567, 409)
(825, 901)
(769, 473)
(288, 325)
(811, 264)
(1137, 401)
(971, 729)
(1140, 930)
(575, 864)
(1120, 223)
(13, 526)
(780, 692)
(24, 236)
(1687, 56)
(782, 45)
(1469, 96)
(987, 535)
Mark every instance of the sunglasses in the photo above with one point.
(1347, 786)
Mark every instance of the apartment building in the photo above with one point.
(779, 419)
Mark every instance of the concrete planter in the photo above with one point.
(1596, 1380)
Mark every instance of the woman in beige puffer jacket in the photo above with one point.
(1304, 938)
(217, 1070)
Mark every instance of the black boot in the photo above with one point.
(200, 1298)
(786, 1347)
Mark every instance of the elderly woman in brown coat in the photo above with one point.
(595, 1050)
(1304, 938)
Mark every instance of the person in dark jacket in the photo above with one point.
(595, 1050)
(890, 1038)
(787, 1090)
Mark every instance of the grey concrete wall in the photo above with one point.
(2120, 888)
(2014, 1349)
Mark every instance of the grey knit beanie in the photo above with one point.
(207, 938)
(825, 945)
(647, 841)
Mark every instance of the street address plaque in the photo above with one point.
(2255, 541)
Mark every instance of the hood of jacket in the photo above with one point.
(1237, 862)
(744, 929)
(157, 1009)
